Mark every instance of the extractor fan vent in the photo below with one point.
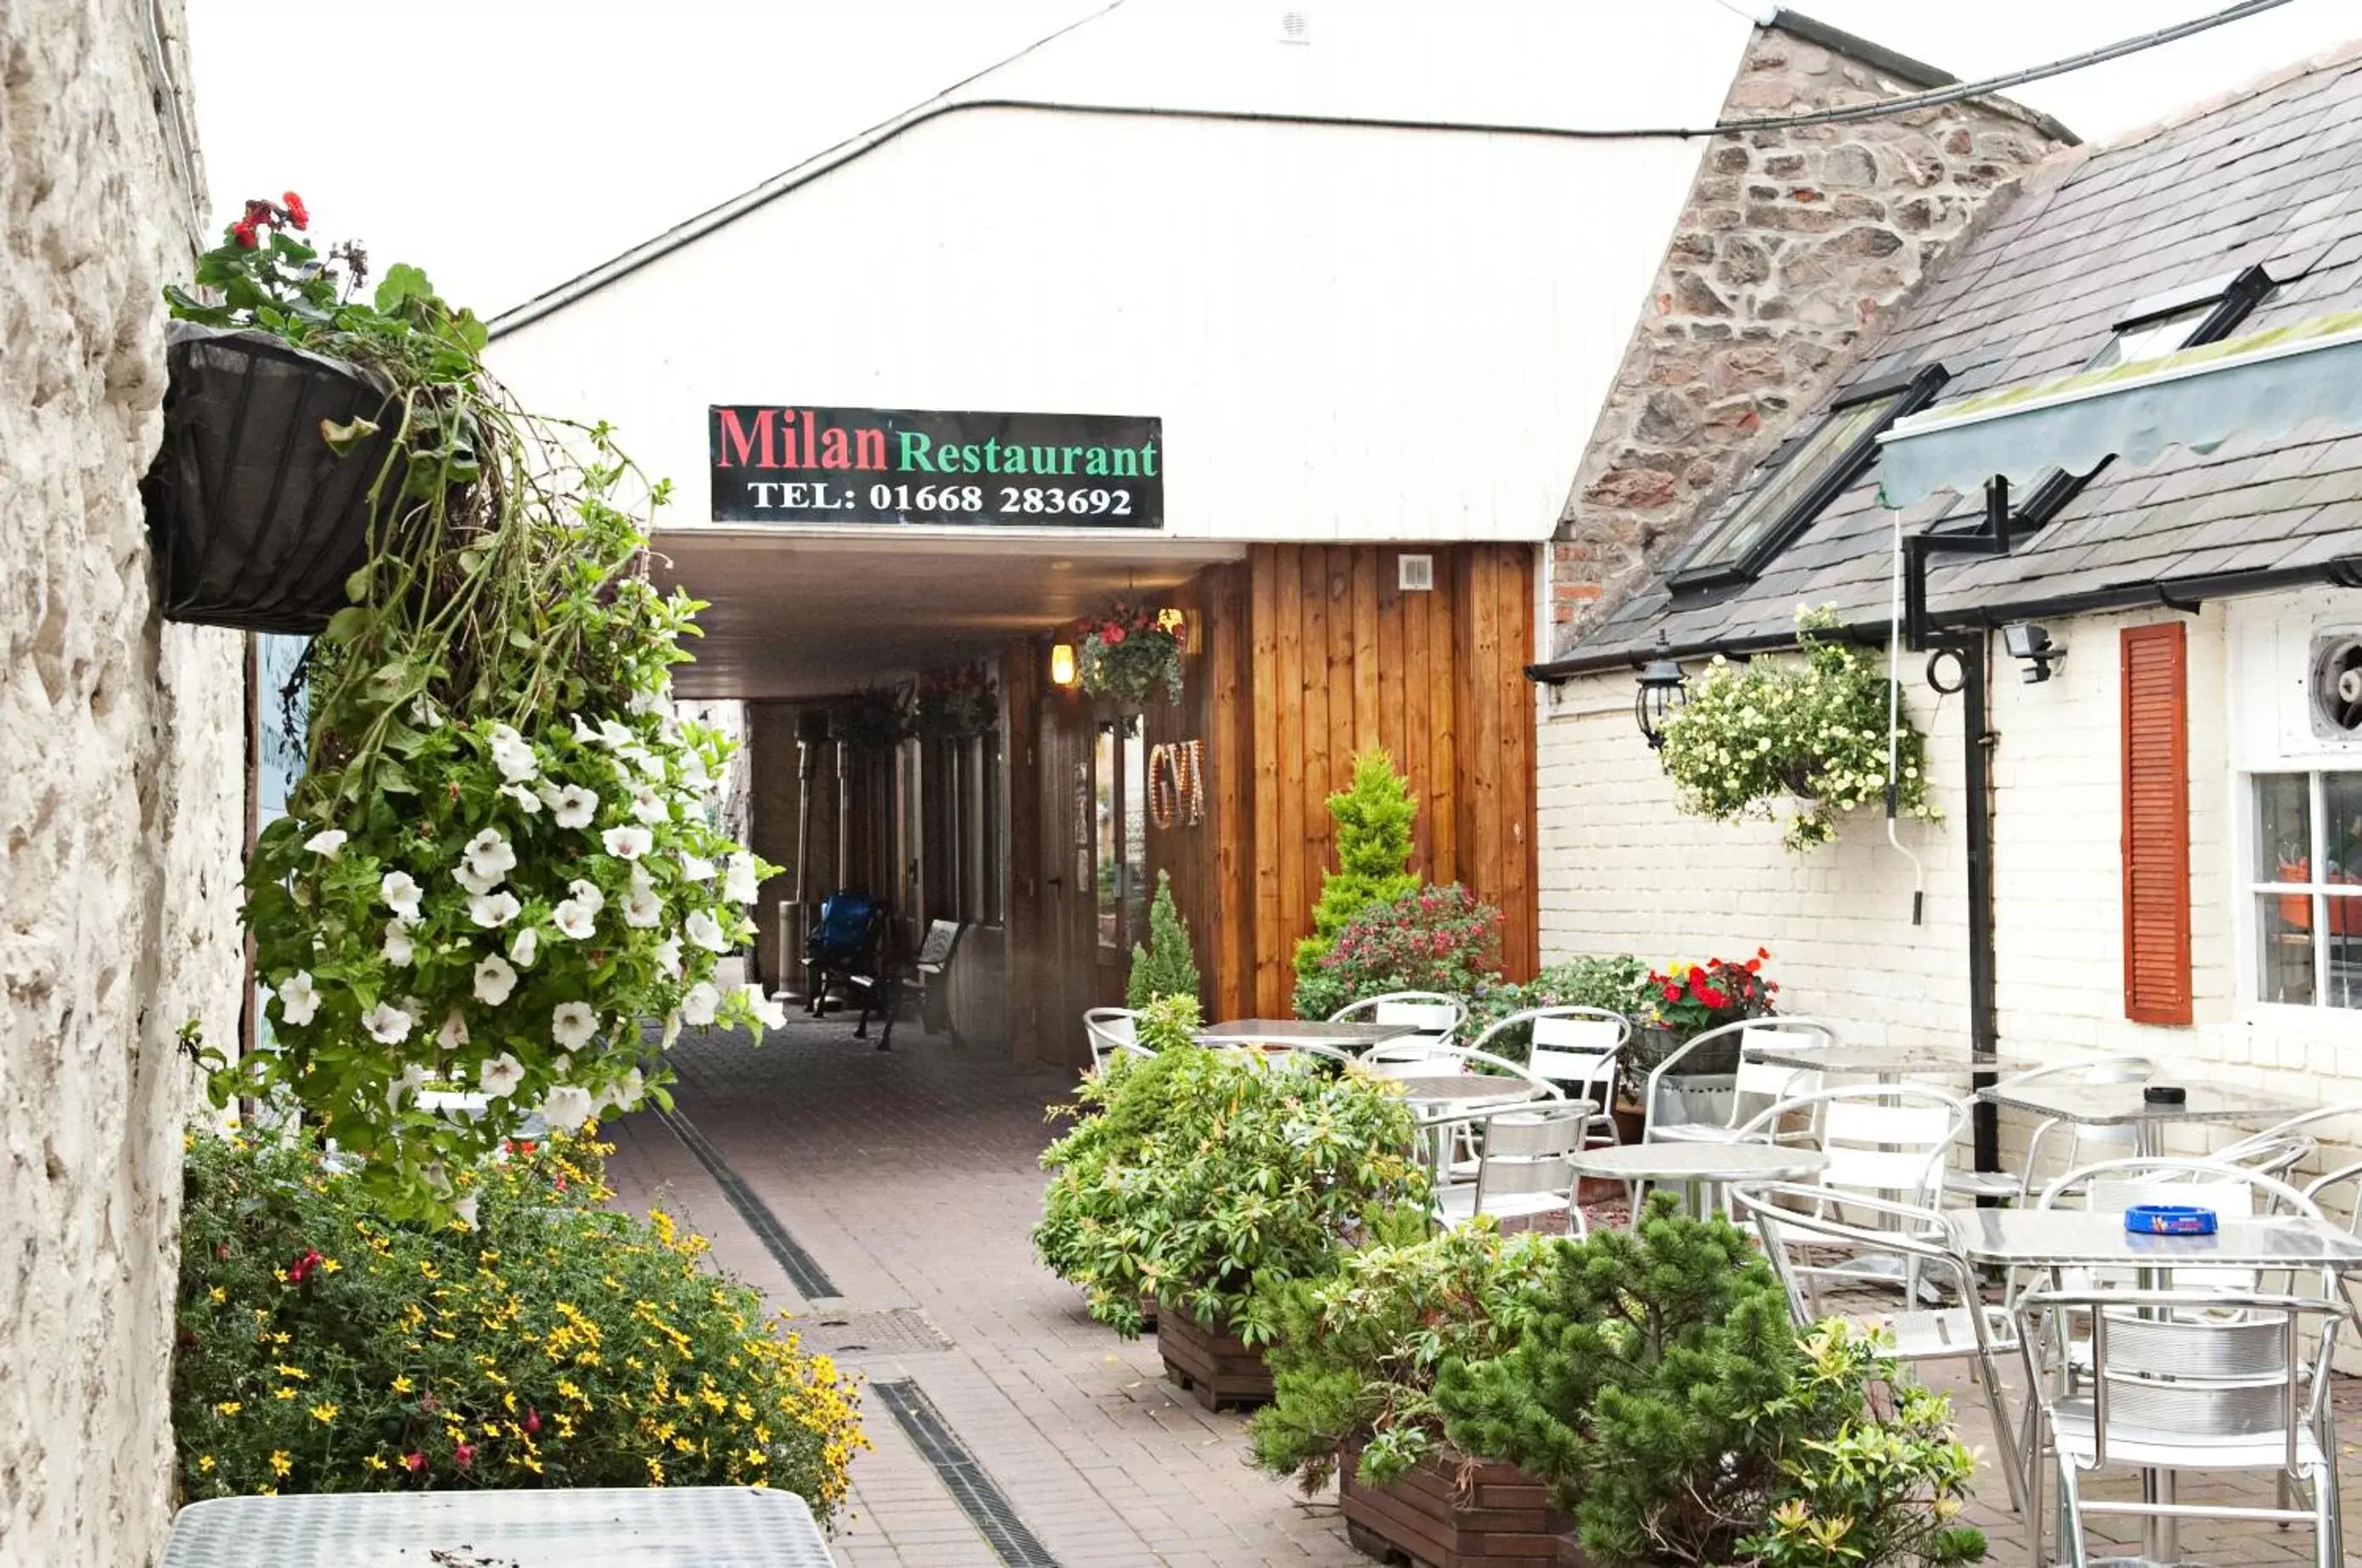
(2336, 685)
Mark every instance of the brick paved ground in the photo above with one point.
(910, 1178)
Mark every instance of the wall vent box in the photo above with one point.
(1295, 27)
(1415, 574)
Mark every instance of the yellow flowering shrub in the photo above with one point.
(554, 1342)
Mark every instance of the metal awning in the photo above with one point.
(2306, 376)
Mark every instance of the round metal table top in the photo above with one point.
(1700, 1162)
(1464, 1088)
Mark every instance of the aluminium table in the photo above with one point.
(1284, 1032)
(1888, 1064)
(1698, 1167)
(601, 1526)
(2122, 1104)
(1444, 1100)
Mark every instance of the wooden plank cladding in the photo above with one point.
(1340, 658)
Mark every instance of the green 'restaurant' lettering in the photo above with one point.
(919, 454)
(915, 448)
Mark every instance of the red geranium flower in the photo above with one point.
(414, 1463)
(1713, 999)
(532, 1419)
(464, 1456)
(301, 1269)
(243, 232)
(1755, 966)
(1762, 952)
(297, 213)
(1114, 635)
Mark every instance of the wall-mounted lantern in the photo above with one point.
(2033, 646)
(1663, 688)
(1062, 664)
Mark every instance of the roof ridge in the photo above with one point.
(2335, 58)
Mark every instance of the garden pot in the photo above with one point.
(1222, 1370)
(1690, 1097)
(255, 523)
(1631, 1121)
(1445, 1512)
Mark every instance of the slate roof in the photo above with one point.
(2273, 176)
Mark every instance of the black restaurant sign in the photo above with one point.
(894, 467)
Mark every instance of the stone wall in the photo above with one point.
(1792, 243)
(121, 788)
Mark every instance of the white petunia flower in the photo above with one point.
(692, 767)
(489, 855)
(400, 1091)
(524, 946)
(572, 1024)
(299, 999)
(326, 843)
(738, 883)
(771, 1014)
(567, 1107)
(560, 1065)
(582, 731)
(466, 1209)
(454, 1031)
(527, 801)
(494, 910)
(705, 931)
(642, 907)
(616, 736)
(648, 762)
(513, 754)
(586, 895)
(494, 980)
(500, 1076)
(472, 882)
(698, 1004)
(387, 1024)
(696, 868)
(401, 892)
(668, 956)
(574, 807)
(573, 920)
(627, 843)
(399, 950)
(671, 1030)
(649, 806)
(624, 1094)
(649, 702)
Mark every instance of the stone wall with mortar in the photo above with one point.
(122, 781)
(1792, 243)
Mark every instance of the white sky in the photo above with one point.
(507, 145)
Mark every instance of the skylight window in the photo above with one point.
(1810, 473)
(2166, 323)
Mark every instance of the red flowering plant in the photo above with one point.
(957, 704)
(1434, 939)
(1130, 650)
(1684, 999)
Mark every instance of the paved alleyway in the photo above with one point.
(907, 1182)
(910, 1180)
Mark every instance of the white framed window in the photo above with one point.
(2305, 887)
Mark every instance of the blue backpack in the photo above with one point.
(847, 932)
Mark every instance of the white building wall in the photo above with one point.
(1622, 871)
(1350, 334)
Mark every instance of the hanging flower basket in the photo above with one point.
(956, 705)
(258, 499)
(1131, 652)
(873, 719)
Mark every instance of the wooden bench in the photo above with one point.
(927, 977)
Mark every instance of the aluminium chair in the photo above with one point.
(1578, 1049)
(1758, 1086)
(1436, 1017)
(1112, 1032)
(1522, 1170)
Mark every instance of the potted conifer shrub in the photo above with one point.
(1164, 967)
(1664, 1391)
(1353, 1370)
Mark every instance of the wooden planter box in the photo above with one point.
(1223, 1371)
(1501, 1518)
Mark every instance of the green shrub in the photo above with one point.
(1432, 938)
(554, 1343)
(1616, 983)
(1195, 1175)
(1164, 967)
(1682, 1418)
(1356, 1353)
(1372, 819)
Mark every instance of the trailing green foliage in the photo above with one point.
(1356, 1353)
(554, 1343)
(1195, 1175)
(1664, 1392)
(1752, 735)
(1163, 967)
(1372, 819)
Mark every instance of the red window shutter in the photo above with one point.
(2157, 825)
